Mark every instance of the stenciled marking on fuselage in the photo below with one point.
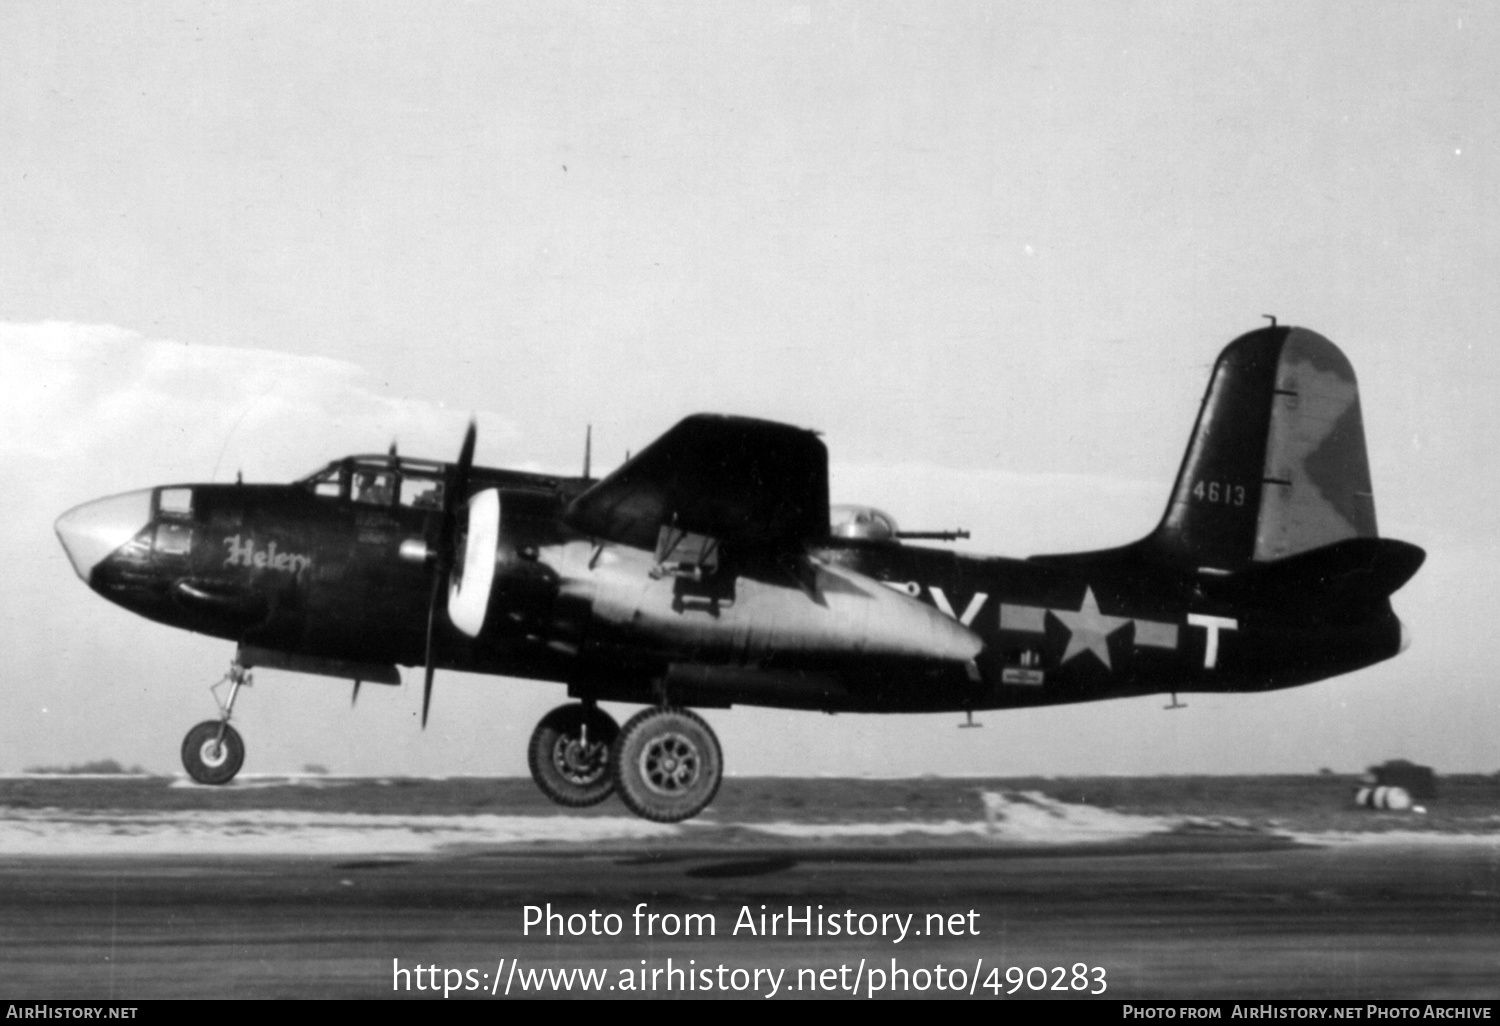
(1212, 624)
(940, 599)
(244, 553)
(1089, 629)
(970, 611)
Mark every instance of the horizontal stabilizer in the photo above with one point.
(1354, 571)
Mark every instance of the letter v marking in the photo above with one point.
(970, 611)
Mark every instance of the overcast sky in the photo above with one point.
(989, 250)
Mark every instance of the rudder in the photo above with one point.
(1276, 465)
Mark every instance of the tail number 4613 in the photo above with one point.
(1220, 492)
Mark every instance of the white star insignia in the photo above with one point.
(1090, 628)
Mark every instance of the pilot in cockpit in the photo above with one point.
(374, 489)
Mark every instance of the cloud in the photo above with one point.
(110, 409)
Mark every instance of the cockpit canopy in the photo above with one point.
(862, 522)
(381, 481)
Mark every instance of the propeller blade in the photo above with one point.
(465, 464)
(432, 603)
(442, 564)
(426, 695)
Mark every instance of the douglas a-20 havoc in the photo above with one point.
(710, 570)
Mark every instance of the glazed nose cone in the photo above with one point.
(92, 531)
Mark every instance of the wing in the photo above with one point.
(751, 484)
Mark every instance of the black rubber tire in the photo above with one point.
(208, 762)
(569, 755)
(667, 765)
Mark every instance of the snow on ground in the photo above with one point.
(853, 831)
(1033, 816)
(276, 832)
(1027, 817)
(1018, 818)
(268, 781)
(1010, 818)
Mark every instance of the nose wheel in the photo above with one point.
(569, 755)
(667, 765)
(213, 752)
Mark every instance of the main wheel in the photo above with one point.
(667, 765)
(209, 760)
(569, 755)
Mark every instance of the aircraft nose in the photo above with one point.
(92, 531)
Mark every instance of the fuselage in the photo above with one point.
(342, 579)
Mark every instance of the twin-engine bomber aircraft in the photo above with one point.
(710, 570)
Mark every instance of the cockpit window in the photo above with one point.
(374, 488)
(328, 483)
(175, 502)
(422, 493)
(381, 481)
(173, 539)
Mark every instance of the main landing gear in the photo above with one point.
(213, 752)
(569, 755)
(666, 764)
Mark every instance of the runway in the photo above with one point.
(1138, 903)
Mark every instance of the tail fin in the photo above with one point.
(1277, 464)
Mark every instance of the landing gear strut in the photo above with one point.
(569, 754)
(667, 765)
(213, 752)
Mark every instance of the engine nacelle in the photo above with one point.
(497, 578)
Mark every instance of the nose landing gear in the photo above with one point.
(213, 751)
